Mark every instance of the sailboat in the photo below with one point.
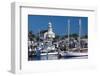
(71, 53)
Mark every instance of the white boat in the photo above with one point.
(53, 53)
(73, 54)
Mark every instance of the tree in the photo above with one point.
(65, 36)
(31, 36)
(85, 36)
(74, 35)
(57, 37)
(43, 31)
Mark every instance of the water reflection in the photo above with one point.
(55, 57)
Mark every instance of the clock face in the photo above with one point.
(57, 37)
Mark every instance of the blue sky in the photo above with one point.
(59, 24)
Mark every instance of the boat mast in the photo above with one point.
(68, 32)
(79, 33)
(39, 36)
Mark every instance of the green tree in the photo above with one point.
(43, 31)
(85, 36)
(57, 37)
(74, 35)
(31, 36)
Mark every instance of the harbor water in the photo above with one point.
(56, 57)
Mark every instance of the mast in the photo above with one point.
(80, 23)
(39, 36)
(68, 32)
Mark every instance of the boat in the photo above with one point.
(73, 54)
(52, 53)
(66, 53)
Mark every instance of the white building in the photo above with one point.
(49, 34)
(48, 38)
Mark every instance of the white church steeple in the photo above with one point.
(49, 33)
(50, 27)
